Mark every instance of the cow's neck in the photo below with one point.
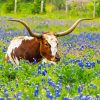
(37, 54)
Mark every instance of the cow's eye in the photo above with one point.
(48, 45)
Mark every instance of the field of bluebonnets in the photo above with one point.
(75, 77)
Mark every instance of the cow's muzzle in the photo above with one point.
(57, 57)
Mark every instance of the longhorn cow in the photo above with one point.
(36, 46)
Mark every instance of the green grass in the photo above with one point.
(27, 74)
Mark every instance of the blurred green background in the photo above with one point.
(62, 8)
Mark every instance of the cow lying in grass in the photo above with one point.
(36, 46)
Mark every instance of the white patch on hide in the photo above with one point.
(15, 43)
(52, 40)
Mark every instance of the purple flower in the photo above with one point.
(81, 64)
(39, 69)
(83, 98)
(79, 89)
(98, 96)
(19, 93)
(36, 90)
(98, 61)
(66, 98)
(68, 88)
(1, 98)
(44, 72)
(5, 89)
(43, 80)
(57, 92)
(34, 61)
(6, 94)
(92, 64)
(47, 93)
(88, 64)
(27, 97)
(19, 98)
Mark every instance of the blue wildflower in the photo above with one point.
(6, 94)
(68, 88)
(66, 98)
(81, 64)
(44, 72)
(83, 98)
(34, 61)
(57, 92)
(1, 98)
(98, 61)
(79, 89)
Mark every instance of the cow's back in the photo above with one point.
(23, 47)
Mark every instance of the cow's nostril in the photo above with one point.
(57, 58)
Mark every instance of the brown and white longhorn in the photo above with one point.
(36, 46)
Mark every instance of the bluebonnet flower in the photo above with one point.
(98, 96)
(66, 63)
(81, 64)
(58, 86)
(1, 98)
(44, 72)
(98, 61)
(32, 84)
(47, 93)
(36, 90)
(15, 95)
(19, 98)
(51, 83)
(83, 98)
(88, 65)
(16, 68)
(27, 97)
(10, 62)
(92, 64)
(5, 89)
(34, 61)
(6, 94)
(66, 98)
(43, 80)
(79, 89)
(68, 88)
(49, 65)
(39, 69)
(88, 97)
(19, 93)
(8, 98)
(50, 96)
(93, 85)
(57, 92)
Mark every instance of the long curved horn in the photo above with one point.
(27, 27)
(71, 28)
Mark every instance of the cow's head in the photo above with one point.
(48, 41)
(49, 47)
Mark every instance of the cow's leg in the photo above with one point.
(13, 60)
(47, 61)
